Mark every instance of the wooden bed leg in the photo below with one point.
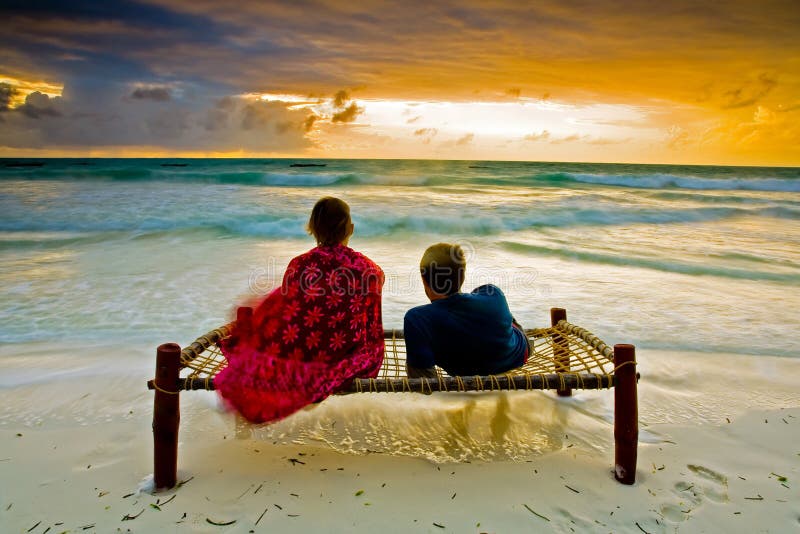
(561, 349)
(626, 414)
(166, 416)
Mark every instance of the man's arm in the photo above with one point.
(417, 372)
(420, 361)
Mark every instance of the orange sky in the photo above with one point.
(682, 82)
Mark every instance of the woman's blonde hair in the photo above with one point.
(330, 221)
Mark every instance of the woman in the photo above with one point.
(311, 336)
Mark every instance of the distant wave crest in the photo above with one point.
(672, 181)
(666, 265)
(65, 230)
(345, 173)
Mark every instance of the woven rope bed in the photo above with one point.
(562, 357)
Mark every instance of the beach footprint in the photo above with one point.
(715, 485)
(566, 521)
(702, 485)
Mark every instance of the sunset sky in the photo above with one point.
(650, 82)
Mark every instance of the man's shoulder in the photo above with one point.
(488, 289)
(423, 310)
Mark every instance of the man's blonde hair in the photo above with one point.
(442, 267)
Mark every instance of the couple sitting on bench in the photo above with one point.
(322, 327)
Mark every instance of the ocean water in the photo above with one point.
(690, 258)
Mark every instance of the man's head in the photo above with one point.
(442, 268)
(330, 221)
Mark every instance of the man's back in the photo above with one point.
(465, 334)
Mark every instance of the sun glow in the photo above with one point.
(291, 101)
(508, 120)
(502, 129)
(518, 119)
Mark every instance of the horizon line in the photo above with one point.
(289, 158)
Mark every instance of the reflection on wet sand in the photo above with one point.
(452, 427)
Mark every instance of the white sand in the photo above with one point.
(75, 444)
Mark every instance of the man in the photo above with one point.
(463, 333)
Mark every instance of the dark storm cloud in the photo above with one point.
(117, 62)
(159, 94)
(7, 92)
(118, 121)
(121, 40)
(38, 105)
(137, 13)
(451, 48)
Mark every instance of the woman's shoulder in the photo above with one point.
(365, 261)
(336, 256)
(349, 255)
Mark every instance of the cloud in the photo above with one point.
(427, 133)
(38, 105)
(465, 140)
(544, 135)
(449, 48)
(7, 93)
(412, 120)
(216, 117)
(785, 109)
(158, 94)
(342, 112)
(677, 137)
(607, 141)
(340, 98)
(349, 114)
(256, 115)
(620, 123)
(174, 123)
(750, 93)
(82, 119)
(765, 132)
(568, 139)
(716, 61)
(308, 124)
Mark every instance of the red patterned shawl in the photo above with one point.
(308, 338)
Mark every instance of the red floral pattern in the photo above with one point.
(308, 338)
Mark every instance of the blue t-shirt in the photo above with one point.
(465, 334)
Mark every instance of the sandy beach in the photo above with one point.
(718, 451)
(636, 165)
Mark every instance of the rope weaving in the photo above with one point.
(563, 356)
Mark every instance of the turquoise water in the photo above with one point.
(668, 257)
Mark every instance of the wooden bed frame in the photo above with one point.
(563, 357)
